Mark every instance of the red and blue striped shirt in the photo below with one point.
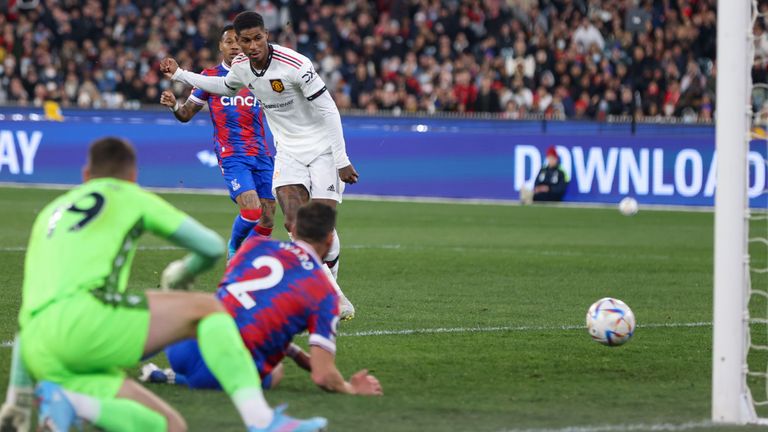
(238, 121)
(276, 290)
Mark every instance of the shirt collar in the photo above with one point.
(269, 61)
(308, 249)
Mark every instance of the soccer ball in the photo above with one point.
(610, 322)
(628, 206)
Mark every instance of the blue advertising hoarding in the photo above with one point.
(421, 157)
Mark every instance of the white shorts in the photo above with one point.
(320, 177)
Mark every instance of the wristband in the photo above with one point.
(175, 107)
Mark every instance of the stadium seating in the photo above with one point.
(574, 59)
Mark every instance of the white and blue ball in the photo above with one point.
(628, 206)
(610, 322)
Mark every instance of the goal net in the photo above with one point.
(740, 327)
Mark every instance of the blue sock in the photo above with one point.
(182, 380)
(240, 230)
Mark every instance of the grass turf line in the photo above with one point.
(473, 266)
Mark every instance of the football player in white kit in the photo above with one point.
(311, 160)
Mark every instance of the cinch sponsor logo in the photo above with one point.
(21, 161)
(655, 172)
(238, 100)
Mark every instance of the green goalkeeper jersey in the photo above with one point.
(86, 240)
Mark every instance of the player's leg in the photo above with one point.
(291, 186)
(133, 409)
(242, 190)
(327, 188)
(331, 259)
(262, 170)
(76, 347)
(189, 367)
(267, 222)
(291, 197)
(250, 217)
(176, 316)
(135, 392)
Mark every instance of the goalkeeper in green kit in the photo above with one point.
(79, 327)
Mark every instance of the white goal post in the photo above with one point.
(731, 397)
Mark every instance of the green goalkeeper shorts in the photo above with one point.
(83, 342)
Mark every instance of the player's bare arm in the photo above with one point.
(327, 376)
(299, 356)
(183, 113)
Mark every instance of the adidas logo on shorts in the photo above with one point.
(331, 188)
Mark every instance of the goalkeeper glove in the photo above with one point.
(176, 276)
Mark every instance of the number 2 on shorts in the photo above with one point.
(241, 289)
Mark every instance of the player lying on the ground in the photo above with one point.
(240, 145)
(79, 327)
(275, 290)
(311, 160)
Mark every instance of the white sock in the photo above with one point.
(332, 257)
(335, 284)
(253, 408)
(86, 407)
(20, 383)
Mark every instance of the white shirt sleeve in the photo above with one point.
(326, 107)
(226, 86)
(309, 81)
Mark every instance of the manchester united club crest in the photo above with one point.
(277, 85)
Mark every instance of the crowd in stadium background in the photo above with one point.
(560, 58)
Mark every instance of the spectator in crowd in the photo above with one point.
(575, 59)
(551, 181)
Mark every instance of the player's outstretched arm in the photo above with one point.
(226, 86)
(183, 113)
(325, 105)
(166, 221)
(327, 376)
(299, 356)
(206, 247)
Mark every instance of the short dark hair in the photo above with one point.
(246, 20)
(226, 28)
(314, 221)
(111, 157)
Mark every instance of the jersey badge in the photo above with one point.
(277, 85)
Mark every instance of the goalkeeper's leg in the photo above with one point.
(176, 316)
(133, 409)
(182, 315)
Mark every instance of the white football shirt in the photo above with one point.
(286, 89)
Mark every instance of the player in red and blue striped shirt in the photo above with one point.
(275, 290)
(240, 145)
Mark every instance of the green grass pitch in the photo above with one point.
(510, 286)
